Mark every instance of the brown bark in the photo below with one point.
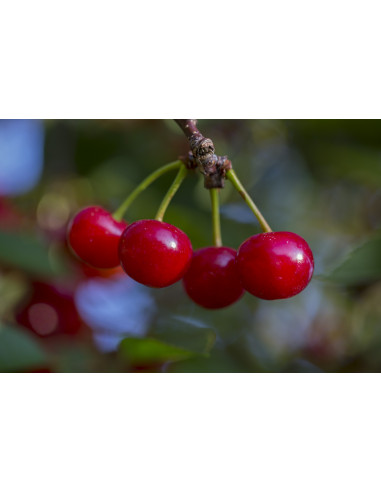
(212, 166)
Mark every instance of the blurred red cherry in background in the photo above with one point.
(49, 310)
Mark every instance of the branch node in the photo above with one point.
(212, 166)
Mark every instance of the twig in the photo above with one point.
(212, 166)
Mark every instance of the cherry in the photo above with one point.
(212, 279)
(93, 235)
(275, 265)
(154, 253)
(49, 310)
(9, 216)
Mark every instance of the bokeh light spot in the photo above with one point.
(43, 318)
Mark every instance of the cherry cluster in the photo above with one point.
(270, 265)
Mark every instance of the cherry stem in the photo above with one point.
(217, 240)
(122, 209)
(183, 171)
(233, 178)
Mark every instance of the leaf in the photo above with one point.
(199, 341)
(27, 253)
(19, 350)
(148, 350)
(217, 362)
(188, 332)
(359, 164)
(362, 266)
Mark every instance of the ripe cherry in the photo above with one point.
(154, 253)
(93, 235)
(10, 218)
(275, 265)
(212, 279)
(49, 310)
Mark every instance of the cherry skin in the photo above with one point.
(93, 235)
(154, 253)
(212, 279)
(275, 265)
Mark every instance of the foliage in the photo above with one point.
(19, 350)
(317, 178)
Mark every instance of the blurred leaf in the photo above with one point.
(362, 266)
(76, 356)
(366, 132)
(150, 351)
(189, 333)
(218, 361)
(360, 164)
(19, 350)
(302, 365)
(13, 288)
(27, 253)
(93, 145)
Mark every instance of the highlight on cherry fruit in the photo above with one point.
(269, 264)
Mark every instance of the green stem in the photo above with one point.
(216, 217)
(231, 175)
(171, 192)
(119, 213)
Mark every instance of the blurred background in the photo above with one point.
(318, 178)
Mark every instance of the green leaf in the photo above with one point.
(362, 266)
(188, 332)
(19, 350)
(150, 351)
(360, 164)
(28, 254)
(219, 361)
(198, 341)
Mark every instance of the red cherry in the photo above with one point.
(154, 253)
(275, 265)
(49, 310)
(93, 235)
(9, 216)
(212, 279)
